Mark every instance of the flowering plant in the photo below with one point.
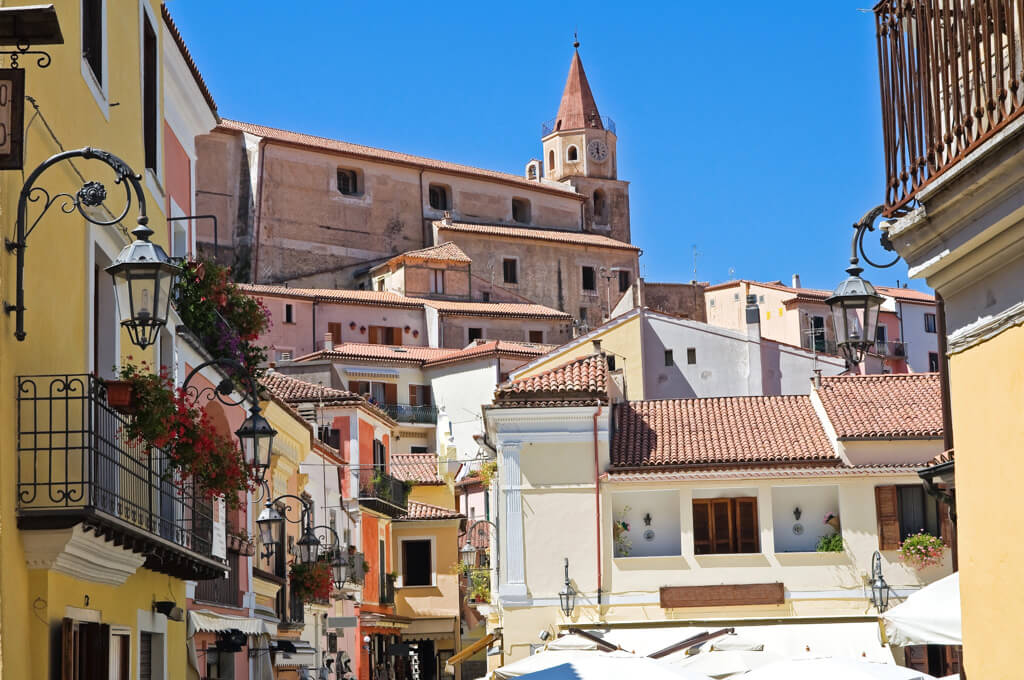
(225, 319)
(311, 581)
(167, 418)
(830, 516)
(620, 533)
(922, 550)
(488, 470)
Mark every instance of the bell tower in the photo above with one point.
(580, 149)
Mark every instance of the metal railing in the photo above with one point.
(380, 491)
(950, 73)
(890, 348)
(407, 413)
(824, 345)
(223, 591)
(75, 463)
(548, 126)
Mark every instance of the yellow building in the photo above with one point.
(956, 220)
(672, 517)
(95, 546)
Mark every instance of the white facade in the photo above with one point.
(917, 339)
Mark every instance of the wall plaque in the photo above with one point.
(12, 117)
(722, 596)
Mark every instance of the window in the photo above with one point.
(691, 355)
(150, 120)
(929, 323)
(531, 171)
(918, 511)
(623, 280)
(437, 281)
(348, 182)
(711, 302)
(583, 315)
(380, 455)
(725, 525)
(537, 337)
(818, 332)
(521, 210)
(284, 355)
(881, 338)
(474, 334)
(933, 362)
(760, 299)
(668, 358)
(289, 313)
(334, 328)
(418, 449)
(385, 335)
(379, 284)
(417, 569)
(92, 37)
(420, 395)
(904, 510)
(551, 162)
(589, 280)
(486, 296)
(510, 269)
(611, 362)
(439, 197)
(600, 207)
(572, 154)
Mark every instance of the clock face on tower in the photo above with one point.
(598, 150)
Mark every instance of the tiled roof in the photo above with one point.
(500, 348)
(536, 234)
(294, 390)
(419, 510)
(941, 459)
(172, 28)
(889, 406)
(809, 293)
(764, 471)
(718, 431)
(479, 537)
(374, 153)
(580, 381)
(364, 351)
(420, 468)
(446, 252)
(494, 309)
(906, 294)
(357, 297)
(577, 109)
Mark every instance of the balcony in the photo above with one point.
(949, 74)
(407, 413)
(547, 127)
(889, 350)
(381, 492)
(222, 591)
(76, 466)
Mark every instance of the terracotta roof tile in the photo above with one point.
(420, 468)
(718, 431)
(890, 406)
(577, 109)
(764, 471)
(535, 234)
(499, 348)
(906, 294)
(496, 309)
(189, 61)
(357, 297)
(294, 390)
(446, 252)
(389, 353)
(577, 382)
(419, 510)
(942, 458)
(374, 153)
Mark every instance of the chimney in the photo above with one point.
(796, 280)
(447, 218)
(328, 342)
(755, 377)
(597, 346)
(816, 380)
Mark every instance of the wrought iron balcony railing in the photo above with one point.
(380, 491)
(891, 349)
(407, 413)
(223, 591)
(77, 466)
(950, 73)
(547, 127)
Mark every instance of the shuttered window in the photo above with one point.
(145, 656)
(903, 510)
(725, 525)
(85, 650)
(334, 328)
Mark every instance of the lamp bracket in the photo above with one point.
(42, 58)
(861, 228)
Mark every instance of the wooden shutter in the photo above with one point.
(887, 508)
(93, 652)
(413, 400)
(335, 330)
(396, 335)
(916, 656)
(723, 539)
(68, 655)
(146, 656)
(747, 531)
(428, 396)
(390, 393)
(374, 335)
(947, 530)
(952, 660)
(701, 527)
(360, 387)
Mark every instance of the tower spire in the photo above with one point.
(577, 109)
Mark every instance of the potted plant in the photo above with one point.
(479, 586)
(922, 550)
(139, 391)
(831, 543)
(241, 542)
(311, 582)
(487, 472)
(832, 519)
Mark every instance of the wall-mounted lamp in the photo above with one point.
(879, 588)
(567, 596)
(797, 512)
(170, 609)
(647, 519)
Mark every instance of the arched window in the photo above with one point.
(551, 162)
(438, 195)
(531, 172)
(572, 154)
(600, 207)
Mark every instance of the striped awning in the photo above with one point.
(430, 629)
(361, 372)
(205, 621)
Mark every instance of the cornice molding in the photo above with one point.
(985, 329)
(81, 555)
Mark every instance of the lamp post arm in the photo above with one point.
(861, 228)
(337, 539)
(92, 194)
(226, 386)
(303, 517)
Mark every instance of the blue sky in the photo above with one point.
(750, 130)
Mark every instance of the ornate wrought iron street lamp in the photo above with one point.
(309, 547)
(855, 303)
(143, 274)
(567, 596)
(879, 588)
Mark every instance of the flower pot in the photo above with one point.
(834, 523)
(120, 397)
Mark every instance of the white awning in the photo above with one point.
(931, 616)
(430, 629)
(304, 655)
(205, 621)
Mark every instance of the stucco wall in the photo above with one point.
(455, 329)
(462, 389)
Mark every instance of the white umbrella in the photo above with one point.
(571, 642)
(547, 659)
(598, 666)
(726, 664)
(834, 669)
(931, 616)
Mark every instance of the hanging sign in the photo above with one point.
(12, 117)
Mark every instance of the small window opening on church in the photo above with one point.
(521, 210)
(573, 154)
(551, 162)
(348, 182)
(531, 172)
(600, 207)
(439, 199)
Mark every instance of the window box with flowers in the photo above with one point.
(922, 550)
(311, 582)
(241, 542)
